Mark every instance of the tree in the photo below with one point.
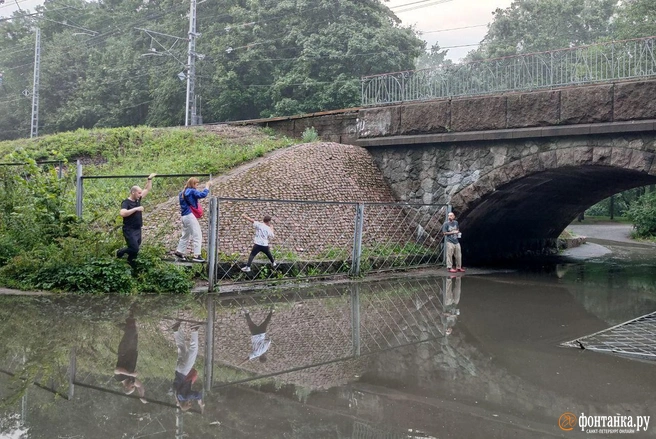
(261, 59)
(538, 25)
(434, 57)
(635, 19)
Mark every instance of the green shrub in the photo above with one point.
(642, 214)
(8, 249)
(310, 135)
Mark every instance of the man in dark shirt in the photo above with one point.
(131, 209)
(126, 364)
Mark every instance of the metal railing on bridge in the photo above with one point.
(617, 60)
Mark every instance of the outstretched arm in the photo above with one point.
(248, 218)
(149, 185)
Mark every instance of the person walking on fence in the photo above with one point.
(260, 342)
(131, 210)
(263, 232)
(451, 231)
(185, 374)
(191, 210)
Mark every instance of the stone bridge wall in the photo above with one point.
(586, 104)
(613, 102)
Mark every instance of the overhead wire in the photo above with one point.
(417, 5)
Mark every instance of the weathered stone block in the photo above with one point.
(574, 156)
(548, 160)
(586, 104)
(620, 157)
(514, 170)
(476, 114)
(379, 122)
(635, 100)
(601, 155)
(425, 118)
(531, 164)
(533, 109)
(641, 161)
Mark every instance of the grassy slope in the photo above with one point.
(142, 150)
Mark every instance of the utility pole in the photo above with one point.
(190, 111)
(189, 72)
(35, 85)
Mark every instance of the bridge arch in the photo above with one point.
(524, 204)
(516, 196)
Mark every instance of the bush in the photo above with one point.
(642, 214)
(157, 276)
(86, 264)
(310, 135)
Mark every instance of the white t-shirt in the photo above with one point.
(260, 345)
(262, 234)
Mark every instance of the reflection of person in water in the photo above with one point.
(259, 339)
(126, 365)
(450, 304)
(185, 374)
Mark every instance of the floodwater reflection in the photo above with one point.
(418, 356)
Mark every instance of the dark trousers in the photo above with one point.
(262, 327)
(259, 248)
(133, 239)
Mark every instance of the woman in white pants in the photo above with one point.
(190, 227)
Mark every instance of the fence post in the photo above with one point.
(71, 374)
(212, 241)
(357, 240)
(355, 318)
(446, 218)
(209, 343)
(78, 190)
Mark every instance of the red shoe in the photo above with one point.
(452, 270)
(460, 269)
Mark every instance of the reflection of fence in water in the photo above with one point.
(321, 336)
(316, 238)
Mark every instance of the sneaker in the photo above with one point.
(246, 269)
(460, 269)
(197, 259)
(119, 253)
(175, 327)
(179, 255)
(275, 264)
(195, 327)
(452, 270)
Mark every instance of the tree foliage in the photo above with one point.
(538, 25)
(642, 214)
(99, 68)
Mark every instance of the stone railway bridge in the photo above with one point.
(517, 168)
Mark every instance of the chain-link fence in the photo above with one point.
(99, 197)
(635, 338)
(321, 238)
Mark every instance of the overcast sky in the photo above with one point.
(437, 15)
(433, 17)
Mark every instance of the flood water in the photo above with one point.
(419, 355)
